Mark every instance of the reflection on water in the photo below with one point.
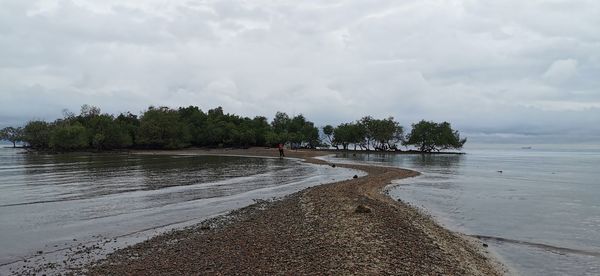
(76, 176)
(57, 201)
(443, 162)
(539, 209)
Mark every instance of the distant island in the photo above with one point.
(168, 128)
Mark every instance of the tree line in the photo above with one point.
(369, 133)
(168, 128)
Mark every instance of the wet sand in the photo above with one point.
(347, 227)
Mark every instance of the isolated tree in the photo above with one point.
(429, 136)
(12, 134)
(358, 134)
(342, 135)
(448, 138)
(380, 134)
(349, 133)
(367, 124)
(386, 133)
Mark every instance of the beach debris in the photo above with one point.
(333, 165)
(499, 171)
(362, 209)
(355, 176)
(485, 245)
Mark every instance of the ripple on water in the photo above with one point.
(59, 201)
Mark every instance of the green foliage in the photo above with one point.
(260, 126)
(130, 124)
(162, 128)
(37, 134)
(366, 123)
(297, 130)
(342, 135)
(311, 135)
(280, 123)
(108, 133)
(68, 136)
(272, 138)
(385, 133)
(104, 132)
(429, 136)
(166, 128)
(349, 133)
(195, 121)
(368, 133)
(12, 134)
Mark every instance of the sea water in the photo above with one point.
(538, 208)
(57, 203)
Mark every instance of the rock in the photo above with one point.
(355, 176)
(362, 209)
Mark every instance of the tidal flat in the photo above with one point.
(69, 209)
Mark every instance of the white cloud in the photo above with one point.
(503, 66)
(561, 71)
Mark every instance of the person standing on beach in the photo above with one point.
(280, 146)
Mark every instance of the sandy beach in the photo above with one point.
(347, 227)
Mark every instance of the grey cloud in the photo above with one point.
(527, 68)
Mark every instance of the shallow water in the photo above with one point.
(541, 213)
(55, 202)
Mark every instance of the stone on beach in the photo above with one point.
(362, 209)
(314, 231)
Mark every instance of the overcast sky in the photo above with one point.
(494, 69)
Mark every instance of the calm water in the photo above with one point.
(55, 202)
(541, 214)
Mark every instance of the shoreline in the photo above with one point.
(30, 150)
(347, 227)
